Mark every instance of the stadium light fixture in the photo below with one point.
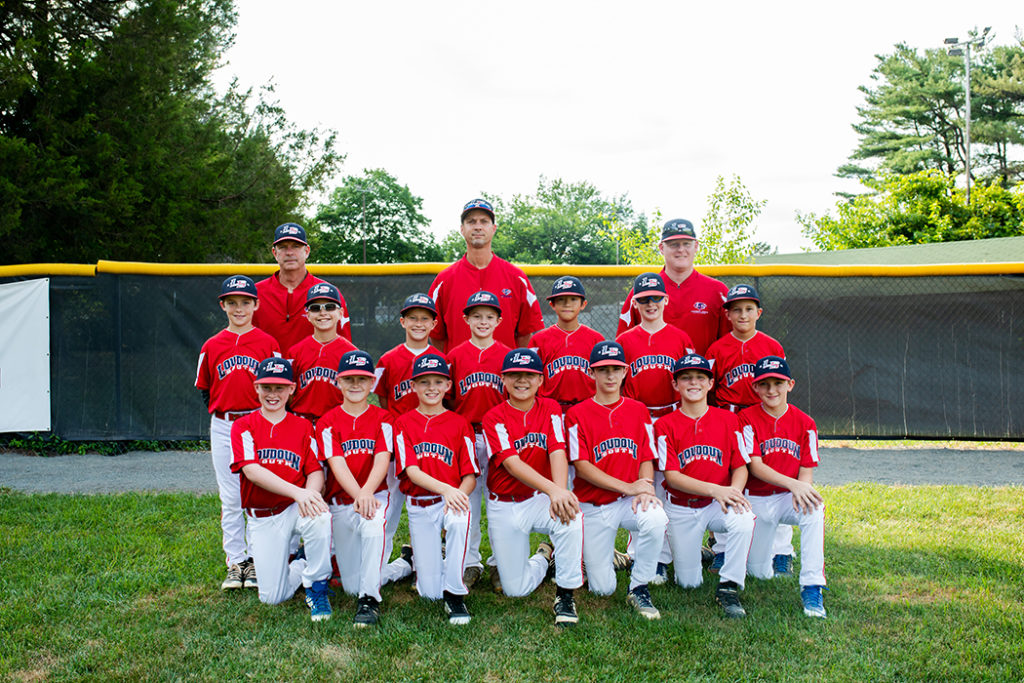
(955, 51)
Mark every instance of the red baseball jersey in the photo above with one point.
(282, 314)
(566, 358)
(394, 379)
(227, 368)
(708, 448)
(616, 438)
(288, 449)
(532, 435)
(651, 358)
(785, 444)
(733, 363)
(316, 367)
(520, 310)
(694, 306)
(356, 439)
(476, 379)
(440, 445)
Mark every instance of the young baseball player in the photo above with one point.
(437, 470)
(565, 346)
(227, 367)
(732, 358)
(475, 367)
(611, 446)
(356, 441)
(783, 444)
(316, 357)
(528, 480)
(700, 450)
(281, 479)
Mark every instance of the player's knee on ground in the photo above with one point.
(601, 578)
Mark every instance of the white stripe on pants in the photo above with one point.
(778, 509)
(278, 580)
(234, 537)
(509, 526)
(686, 527)
(434, 575)
(600, 525)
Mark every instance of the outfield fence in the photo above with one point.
(877, 351)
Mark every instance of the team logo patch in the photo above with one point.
(506, 292)
(700, 306)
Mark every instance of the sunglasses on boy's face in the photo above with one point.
(644, 300)
(316, 308)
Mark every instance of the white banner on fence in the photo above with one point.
(25, 356)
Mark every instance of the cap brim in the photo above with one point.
(533, 371)
(467, 309)
(323, 298)
(290, 239)
(431, 311)
(248, 294)
(649, 292)
(432, 372)
(476, 208)
(707, 372)
(555, 296)
(610, 361)
(273, 380)
(729, 302)
(769, 375)
(355, 373)
(678, 237)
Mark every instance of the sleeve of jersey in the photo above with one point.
(243, 447)
(467, 453)
(809, 458)
(311, 458)
(344, 325)
(202, 372)
(749, 440)
(578, 448)
(499, 443)
(738, 454)
(380, 380)
(439, 331)
(648, 448)
(324, 440)
(556, 432)
(530, 318)
(661, 446)
(404, 454)
(626, 315)
(386, 434)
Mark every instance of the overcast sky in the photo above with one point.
(652, 99)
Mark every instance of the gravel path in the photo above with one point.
(193, 472)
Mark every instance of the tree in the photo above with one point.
(915, 208)
(563, 222)
(395, 230)
(913, 116)
(114, 145)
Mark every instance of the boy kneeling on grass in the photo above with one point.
(783, 444)
(281, 480)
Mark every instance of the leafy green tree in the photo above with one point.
(113, 143)
(373, 218)
(915, 208)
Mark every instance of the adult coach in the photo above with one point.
(282, 296)
(694, 300)
(478, 269)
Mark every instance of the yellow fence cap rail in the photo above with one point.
(44, 269)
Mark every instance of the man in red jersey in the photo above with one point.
(694, 300)
(283, 295)
(481, 269)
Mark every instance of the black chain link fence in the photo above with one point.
(874, 357)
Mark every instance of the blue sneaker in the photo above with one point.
(814, 603)
(717, 563)
(661, 575)
(318, 601)
(783, 565)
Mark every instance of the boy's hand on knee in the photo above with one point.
(805, 498)
(644, 501)
(564, 506)
(365, 505)
(455, 500)
(640, 487)
(730, 497)
(311, 503)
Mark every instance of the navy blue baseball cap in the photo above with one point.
(482, 298)
(274, 370)
(419, 300)
(522, 360)
(325, 291)
(678, 228)
(238, 285)
(607, 353)
(477, 205)
(771, 366)
(355, 363)
(692, 361)
(290, 231)
(648, 284)
(567, 285)
(741, 293)
(430, 364)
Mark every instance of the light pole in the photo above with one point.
(954, 50)
(362, 190)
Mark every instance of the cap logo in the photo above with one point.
(771, 365)
(321, 289)
(236, 283)
(430, 363)
(648, 282)
(608, 351)
(691, 360)
(563, 284)
(520, 359)
(418, 299)
(289, 230)
(699, 305)
(357, 361)
(275, 368)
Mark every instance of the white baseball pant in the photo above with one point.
(778, 509)
(686, 527)
(434, 575)
(476, 498)
(359, 549)
(601, 523)
(391, 571)
(235, 538)
(782, 545)
(509, 525)
(279, 579)
(665, 554)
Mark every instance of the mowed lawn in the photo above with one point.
(926, 583)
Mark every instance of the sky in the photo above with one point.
(650, 99)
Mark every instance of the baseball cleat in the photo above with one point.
(367, 612)
(728, 597)
(621, 561)
(547, 551)
(717, 563)
(496, 581)
(318, 600)
(640, 599)
(471, 575)
(707, 556)
(249, 574)
(565, 608)
(406, 554)
(660, 575)
(233, 579)
(814, 603)
(455, 608)
(782, 565)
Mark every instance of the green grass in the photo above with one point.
(926, 583)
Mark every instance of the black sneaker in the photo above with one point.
(565, 607)
(455, 608)
(249, 574)
(728, 597)
(640, 599)
(367, 612)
